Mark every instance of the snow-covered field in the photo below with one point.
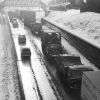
(85, 24)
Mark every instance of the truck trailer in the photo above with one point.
(70, 69)
(90, 89)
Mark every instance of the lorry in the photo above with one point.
(51, 42)
(90, 89)
(37, 26)
(69, 69)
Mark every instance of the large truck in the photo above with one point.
(32, 19)
(37, 26)
(70, 69)
(90, 89)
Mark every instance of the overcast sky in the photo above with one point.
(45, 1)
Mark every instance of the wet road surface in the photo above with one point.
(32, 74)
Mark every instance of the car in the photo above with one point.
(14, 22)
(25, 52)
(22, 39)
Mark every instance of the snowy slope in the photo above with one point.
(87, 23)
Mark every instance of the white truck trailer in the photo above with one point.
(90, 88)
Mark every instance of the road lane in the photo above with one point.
(26, 76)
(28, 81)
(36, 67)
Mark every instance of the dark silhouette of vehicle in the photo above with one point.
(36, 28)
(25, 52)
(70, 69)
(22, 39)
(51, 43)
(14, 22)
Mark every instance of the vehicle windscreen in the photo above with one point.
(55, 37)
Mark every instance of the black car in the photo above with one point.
(22, 39)
(14, 22)
(25, 52)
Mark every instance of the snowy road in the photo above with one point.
(41, 88)
(26, 77)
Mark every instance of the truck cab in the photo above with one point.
(51, 42)
(22, 39)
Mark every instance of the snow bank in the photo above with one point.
(87, 23)
(55, 14)
(61, 14)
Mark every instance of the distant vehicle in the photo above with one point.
(32, 19)
(14, 22)
(36, 27)
(22, 39)
(25, 52)
(70, 69)
(51, 42)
